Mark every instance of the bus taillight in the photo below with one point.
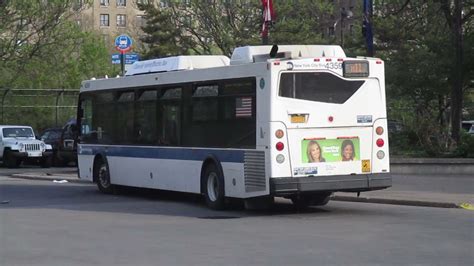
(279, 146)
(379, 130)
(279, 133)
(380, 142)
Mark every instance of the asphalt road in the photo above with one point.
(44, 223)
(34, 169)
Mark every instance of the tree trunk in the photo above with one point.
(456, 91)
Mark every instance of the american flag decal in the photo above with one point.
(243, 107)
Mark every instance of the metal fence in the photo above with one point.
(39, 108)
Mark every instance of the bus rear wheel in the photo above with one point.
(213, 188)
(102, 176)
(304, 201)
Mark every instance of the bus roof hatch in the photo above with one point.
(177, 63)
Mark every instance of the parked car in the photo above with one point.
(63, 143)
(52, 136)
(468, 126)
(18, 144)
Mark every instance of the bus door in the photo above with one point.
(330, 122)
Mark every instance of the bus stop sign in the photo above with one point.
(123, 43)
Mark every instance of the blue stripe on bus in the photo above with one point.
(234, 156)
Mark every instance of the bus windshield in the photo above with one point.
(317, 86)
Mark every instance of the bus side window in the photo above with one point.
(145, 117)
(170, 117)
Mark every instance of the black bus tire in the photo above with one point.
(102, 175)
(304, 201)
(213, 188)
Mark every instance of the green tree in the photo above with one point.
(302, 22)
(201, 27)
(415, 40)
(217, 27)
(41, 47)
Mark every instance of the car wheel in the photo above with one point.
(10, 161)
(46, 162)
(56, 160)
(213, 188)
(102, 175)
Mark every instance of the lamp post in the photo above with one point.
(344, 14)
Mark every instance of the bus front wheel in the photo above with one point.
(102, 176)
(213, 188)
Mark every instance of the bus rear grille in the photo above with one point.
(32, 147)
(254, 171)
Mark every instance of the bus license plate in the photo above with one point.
(298, 119)
(365, 166)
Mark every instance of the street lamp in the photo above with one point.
(344, 15)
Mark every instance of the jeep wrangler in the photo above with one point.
(18, 144)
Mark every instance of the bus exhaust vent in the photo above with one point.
(254, 171)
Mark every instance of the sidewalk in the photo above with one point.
(387, 196)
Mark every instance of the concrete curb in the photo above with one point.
(460, 166)
(415, 203)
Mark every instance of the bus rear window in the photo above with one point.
(319, 87)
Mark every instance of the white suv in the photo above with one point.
(18, 143)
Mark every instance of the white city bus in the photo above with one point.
(299, 123)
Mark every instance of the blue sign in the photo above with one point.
(129, 59)
(123, 43)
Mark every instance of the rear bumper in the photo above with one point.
(353, 183)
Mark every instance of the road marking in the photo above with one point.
(467, 206)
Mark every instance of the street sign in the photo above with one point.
(123, 43)
(129, 58)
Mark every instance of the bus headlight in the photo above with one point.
(280, 158)
(380, 155)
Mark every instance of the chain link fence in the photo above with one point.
(39, 108)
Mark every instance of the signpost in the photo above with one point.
(129, 58)
(123, 44)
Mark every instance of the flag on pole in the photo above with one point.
(268, 16)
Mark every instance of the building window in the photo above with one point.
(121, 20)
(104, 2)
(121, 2)
(104, 20)
(141, 21)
